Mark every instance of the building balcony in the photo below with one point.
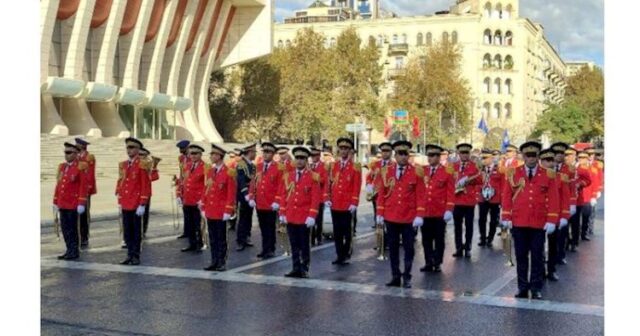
(398, 49)
(395, 73)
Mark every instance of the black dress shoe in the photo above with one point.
(395, 282)
(181, 236)
(522, 294)
(60, 257)
(585, 238)
(248, 244)
(135, 261)
(241, 248)
(482, 243)
(572, 248)
(221, 268)
(426, 268)
(293, 274)
(437, 269)
(536, 295)
(188, 249)
(71, 257)
(458, 254)
(211, 268)
(553, 276)
(304, 275)
(126, 261)
(467, 253)
(562, 261)
(406, 283)
(260, 255)
(268, 255)
(337, 261)
(489, 244)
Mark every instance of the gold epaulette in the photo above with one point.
(145, 164)
(594, 170)
(520, 163)
(281, 166)
(501, 169)
(564, 177)
(551, 173)
(449, 169)
(315, 176)
(572, 169)
(510, 171)
(419, 171)
(242, 164)
(327, 166)
(82, 165)
(91, 158)
(206, 168)
(373, 163)
(357, 166)
(232, 172)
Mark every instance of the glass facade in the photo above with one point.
(148, 123)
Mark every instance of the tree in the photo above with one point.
(223, 102)
(432, 87)
(567, 123)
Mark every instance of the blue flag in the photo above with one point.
(483, 126)
(505, 141)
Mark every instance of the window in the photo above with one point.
(288, 43)
(399, 63)
(486, 110)
(333, 42)
(380, 41)
(496, 86)
(507, 86)
(445, 37)
(419, 39)
(497, 61)
(429, 39)
(507, 111)
(487, 85)
(486, 61)
(395, 39)
(487, 10)
(507, 13)
(280, 44)
(454, 37)
(508, 38)
(497, 40)
(497, 111)
(498, 12)
(487, 36)
(508, 62)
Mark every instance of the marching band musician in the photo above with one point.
(490, 198)
(263, 197)
(439, 202)
(580, 182)
(530, 209)
(374, 169)
(300, 195)
(444, 157)
(153, 176)
(319, 168)
(192, 188)
(401, 193)
(598, 174)
(345, 181)
(183, 161)
(587, 196)
(246, 173)
(133, 190)
(90, 161)
(70, 197)
(285, 158)
(218, 203)
(465, 199)
(510, 159)
(567, 172)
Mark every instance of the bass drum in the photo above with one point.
(327, 224)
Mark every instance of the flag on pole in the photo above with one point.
(415, 129)
(505, 140)
(483, 126)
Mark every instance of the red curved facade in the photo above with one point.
(155, 20)
(67, 8)
(101, 13)
(177, 23)
(130, 16)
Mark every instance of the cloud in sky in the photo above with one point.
(574, 27)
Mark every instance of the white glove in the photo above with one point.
(54, 208)
(179, 201)
(80, 209)
(252, 203)
(448, 216)
(379, 220)
(140, 210)
(246, 198)
(327, 204)
(200, 205)
(572, 210)
(507, 224)
(310, 222)
(417, 222)
(563, 223)
(593, 202)
(283, 219)
(550, 228)
(226, 217)
(462, 181)
(353, 208)
(275, 206)
(369, 188)
(599, 194)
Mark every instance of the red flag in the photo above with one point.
(415, 130)
(387, 128)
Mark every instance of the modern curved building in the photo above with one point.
(118, 68)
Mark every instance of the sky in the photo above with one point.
(575, 28)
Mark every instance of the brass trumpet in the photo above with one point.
(380, 241)
(155, 160)
(284, 237)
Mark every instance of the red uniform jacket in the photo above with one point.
(584, 190)
(596, 178)
(320, 169)
(183, 161)
(219, 197)
(495, 181)
(510, 163)
(530, 203)
(134, 186)
(300, 200)
(440, 191)
(600, 166)
(193, 182)
(72, 186)
(264, 188)
(469, 196)
(401, 200)
(564, 194)
(345, 184)
(91, 173)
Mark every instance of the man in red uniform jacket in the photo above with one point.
(439, 203)
(530, 209)
(263, 195)
(580, 183)
(490, 192)
(319, 168)
(191, 193)
(587, 198)
(183, 161)
(374, 170)
(467, 179)
(90, 161)
(345, 178)
(300, 195)
(401, 201)
(598, 172)
(568, 197)
(70, 197)
(133, 190)
(218, 203)
(510, 159)
(153, 176)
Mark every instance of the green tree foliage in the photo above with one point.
(432, 87)
(567, 123)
